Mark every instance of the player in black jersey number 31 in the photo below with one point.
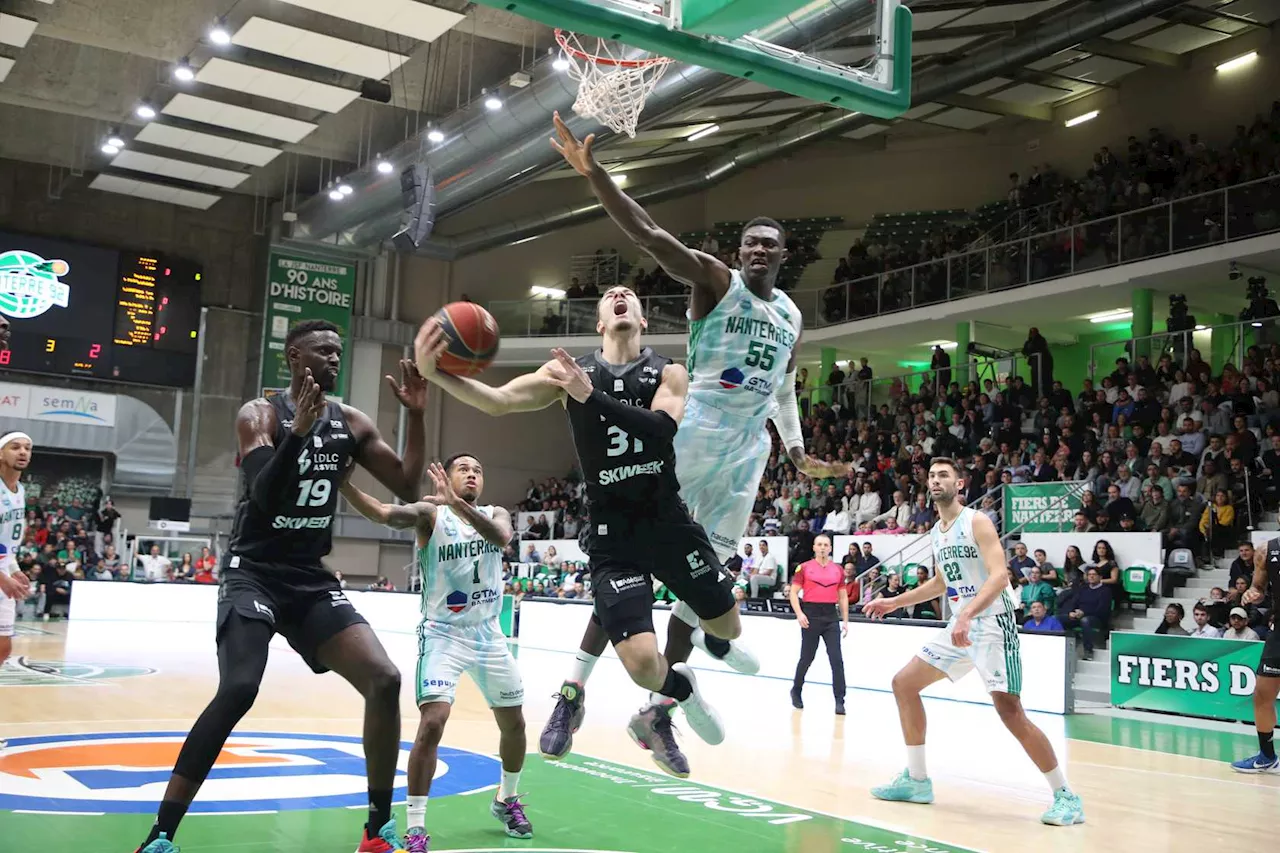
(295, 451)
(1266, 583)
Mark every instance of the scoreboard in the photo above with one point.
(77, 310)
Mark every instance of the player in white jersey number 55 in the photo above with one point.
(982, 634)
(459, 553)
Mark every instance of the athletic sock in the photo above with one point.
(1057, 779)
(676, 686)
(915, 763)
(1266, 744)
(583, 663)
(379, 811)
(417, 813)
(168, 817)
(510, 782)
(716, 647)
(685, 614)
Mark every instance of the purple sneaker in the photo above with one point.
(417, 841)
(511, 813)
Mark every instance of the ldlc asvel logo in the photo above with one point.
(29, 284)
(126, 773)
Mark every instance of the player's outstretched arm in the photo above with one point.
(786, 420)
(399, 516)
(930, 589)
(402, 476)
(694, 268)
(527, 393)
(655, 423)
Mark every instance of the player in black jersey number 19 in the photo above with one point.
(1266, 573)
(296, 450)
(624, 403)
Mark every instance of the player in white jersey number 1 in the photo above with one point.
(459, 555)
(743, 339)
(982, 634)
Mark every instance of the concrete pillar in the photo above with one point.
(1140, 325)
(961, 353)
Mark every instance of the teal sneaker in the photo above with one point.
(904, 789)
(1065, 811)
(160, 845)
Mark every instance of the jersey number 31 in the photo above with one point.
(620, 442)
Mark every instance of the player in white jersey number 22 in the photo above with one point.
(982, 634)
(459, 554)
(743, 339)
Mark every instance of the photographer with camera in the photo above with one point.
(1262, 308)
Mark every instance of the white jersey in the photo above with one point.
(13, 526)
(739, 352)
(461, 572)
(955, 553)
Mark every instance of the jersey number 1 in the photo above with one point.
(475, 573)
(620, 441)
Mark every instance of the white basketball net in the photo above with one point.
(611, 88)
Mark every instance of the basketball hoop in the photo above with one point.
(611, 89)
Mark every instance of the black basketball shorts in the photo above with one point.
(305, 612)
(1269, 665)
(628, 550)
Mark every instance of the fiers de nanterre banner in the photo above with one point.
(301, 288)
(1184, 675)
(1041, 507)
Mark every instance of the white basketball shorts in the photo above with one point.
(993, 651)
(446, 651)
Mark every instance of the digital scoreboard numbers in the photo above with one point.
(136, 301)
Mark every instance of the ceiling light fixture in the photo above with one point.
(492, 103)
(183, 72)
(384, 166)
(109, 149)
(1200, 327)
(219, 34)
(560, 63)
(114, 139)
(552, 292)
(1239, 62)
(345, 189)
(703, 133)
(1111, 316)
(619, 179)
(435, 135)
(144, 110)
(1081, 119)
(335, 195)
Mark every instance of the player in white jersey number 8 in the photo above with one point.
(459, 550)
(982, 635)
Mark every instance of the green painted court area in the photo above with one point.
(579, 805)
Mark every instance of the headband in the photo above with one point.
(13, 436)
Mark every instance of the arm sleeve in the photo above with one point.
(787, 418)
(267, 471)
(635, 420)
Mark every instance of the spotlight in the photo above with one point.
(144, 110)
(109, 149)
(385, 167)
(218, 33)
(183, 71)
(560, 63)
(435, 135)
(336, 195)
(345, 189)
(492, 103)
(114, 139)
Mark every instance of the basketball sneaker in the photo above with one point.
(1065, 811)
(702, 718)
(904, 789)
(738, 658)
(557, 736)
(160, 845)
(1257, 764)
(652, 729)
(386, 841)
(417, 840)
(511, 813)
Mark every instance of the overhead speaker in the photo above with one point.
(418, 192)
(376, 90)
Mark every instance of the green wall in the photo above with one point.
(1071, 363)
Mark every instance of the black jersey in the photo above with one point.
(300, 531)
(623, 471)
(1273, 573)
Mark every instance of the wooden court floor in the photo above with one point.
(94, 713)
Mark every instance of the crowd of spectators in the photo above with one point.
(1071, 224)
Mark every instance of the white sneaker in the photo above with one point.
(739, 658)
(702, 718)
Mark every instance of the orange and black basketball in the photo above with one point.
(473, 338)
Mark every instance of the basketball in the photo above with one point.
(473, 338)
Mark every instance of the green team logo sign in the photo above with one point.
(1184, 675)
(25, 672)
(29, 284)
(1042, 507)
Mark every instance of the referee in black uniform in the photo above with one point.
(826, 599)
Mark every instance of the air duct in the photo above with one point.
(486, 151)
(1051, 37)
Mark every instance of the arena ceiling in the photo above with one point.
(277, 112)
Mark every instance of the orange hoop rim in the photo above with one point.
(563, 40)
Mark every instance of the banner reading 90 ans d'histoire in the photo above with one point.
(301, 288)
